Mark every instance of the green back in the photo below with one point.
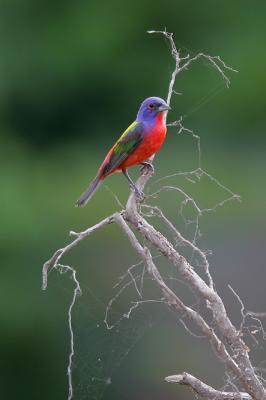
(125, 145)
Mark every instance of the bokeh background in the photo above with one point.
(72, 75)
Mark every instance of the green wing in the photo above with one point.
(125, 145)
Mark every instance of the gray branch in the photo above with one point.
(54, 260)
(207, 392)
(174, 301)
(239, 362)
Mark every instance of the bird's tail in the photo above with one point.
(89, 192)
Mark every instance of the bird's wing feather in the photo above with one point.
(125, 145)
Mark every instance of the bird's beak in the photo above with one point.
(164, 107)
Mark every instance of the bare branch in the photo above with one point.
(174, 301)
(257, 314)
(242, 310)
(76, 293)
(223, 324)
(205, 391)
(222, 335)
(185, 241)
(215, 61)
(176, 57)
(53, 261)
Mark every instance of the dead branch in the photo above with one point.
(207, 392)
(244, 371)
(54, 260)
(224, 338)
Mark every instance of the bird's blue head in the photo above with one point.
(151, 108)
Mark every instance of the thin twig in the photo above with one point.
(76, 293)
(53, 261)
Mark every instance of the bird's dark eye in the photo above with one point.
(151, 106)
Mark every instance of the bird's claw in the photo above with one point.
(138, 193)
(147, 168)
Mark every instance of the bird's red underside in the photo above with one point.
(150, 145)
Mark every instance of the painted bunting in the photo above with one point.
(139, 142)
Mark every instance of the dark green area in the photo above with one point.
(72, 76)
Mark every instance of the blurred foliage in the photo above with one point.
(72, 75)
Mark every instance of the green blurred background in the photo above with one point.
(72, 75)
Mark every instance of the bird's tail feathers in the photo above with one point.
(89, 192)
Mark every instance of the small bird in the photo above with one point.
(139, 142)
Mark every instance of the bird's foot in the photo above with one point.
(138, 193)
(147, 168)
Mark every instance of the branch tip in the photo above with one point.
(205, 391)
